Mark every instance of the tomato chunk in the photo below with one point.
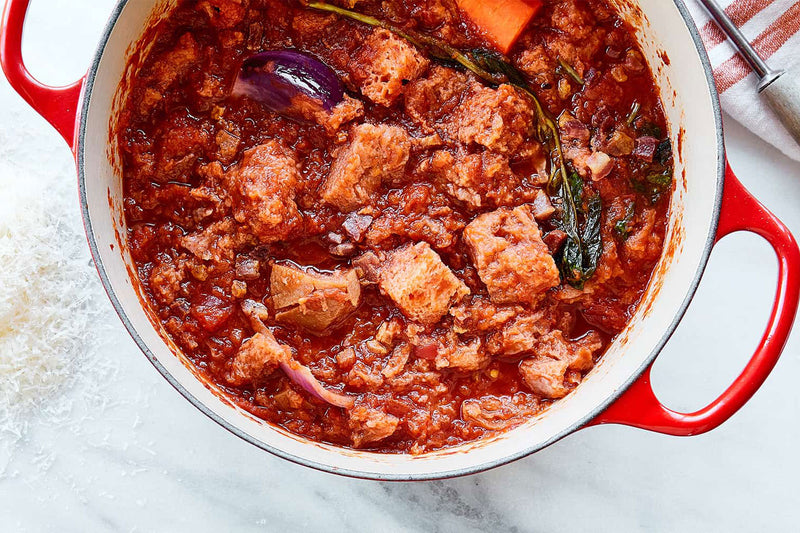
(211, 312)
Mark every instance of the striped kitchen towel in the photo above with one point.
(773, 26)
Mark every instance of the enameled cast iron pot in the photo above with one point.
(708, 203)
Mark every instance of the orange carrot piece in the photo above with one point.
(501, 21)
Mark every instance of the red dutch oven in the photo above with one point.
(708, 204)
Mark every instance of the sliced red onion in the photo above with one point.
(302, 376)
(299, 374)
(646, 148)
(289, 82)
(257, 313)
(356, 225)
(542, 206)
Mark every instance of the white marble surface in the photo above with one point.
(150, 462)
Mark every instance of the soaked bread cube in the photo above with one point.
(374, 153)
(421, 285)
(511, 258)
(384, 65)
(545, 372)
(500, 119)
(371, 425)
(263, 188)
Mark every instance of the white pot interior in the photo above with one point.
(693, 115)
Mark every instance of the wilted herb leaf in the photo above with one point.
(634, 113)
(622, 227)
(583, 247)
(572, 251)
(651, 130)
(495, 64)
(661, 181)
(571, 72)
(576, 187)
(592, 241)
(653, 185)
(663, 153)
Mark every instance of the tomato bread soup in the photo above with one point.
(386, 224)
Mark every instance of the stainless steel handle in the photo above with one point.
(738, 38)
(781, 89)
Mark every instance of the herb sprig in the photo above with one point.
(571, 72)
(582, 248)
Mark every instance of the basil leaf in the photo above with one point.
(663, 152)
(583, 247)
(592, 241)
(653, 185)
(634, 113)
(572, 251)
(660, 181)
(622, 227)
(576, 188)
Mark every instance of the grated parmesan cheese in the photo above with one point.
(52, 312)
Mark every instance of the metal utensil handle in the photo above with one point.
(781, 89)
(738, 38)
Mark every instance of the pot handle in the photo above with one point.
(639, 407)
(58, 105)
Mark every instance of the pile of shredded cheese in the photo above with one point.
(51, 308)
